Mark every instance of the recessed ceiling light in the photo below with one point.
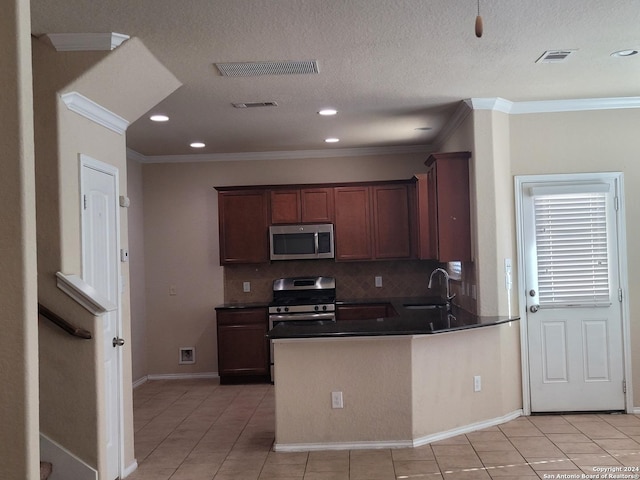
(159, 118)
(332, 140)
(624, 53)
(197, 145)
(327, 112)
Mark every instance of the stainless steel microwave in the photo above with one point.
(301, 242)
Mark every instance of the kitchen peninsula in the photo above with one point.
(399, 381)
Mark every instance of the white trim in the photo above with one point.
(618, 177)
(65, 464)
(313, 447)
(306, 447)
(84, 294)
(182, 376)
(553, 106)
(636, 411)
(75, 42)
(282, 155)
(472, 427)
(140, 381)
(89, 109)
(132, 467)
(463, 110)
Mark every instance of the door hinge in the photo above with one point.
(624, 386)
(84, 202)
(619, 294)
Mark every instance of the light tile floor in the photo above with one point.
(200, 430)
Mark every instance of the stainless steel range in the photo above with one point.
(302, 300)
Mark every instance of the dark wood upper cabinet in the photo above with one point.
(305, 205)
(317, 205)
(391, 222)
(373, 222)
(285, 206)
(353, 223)
(243, 221)
(443, 213)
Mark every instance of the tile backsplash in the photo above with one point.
(354, 280)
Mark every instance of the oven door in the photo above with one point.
(297, 319)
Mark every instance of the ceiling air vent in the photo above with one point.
(255, 69)
(254, 104)
(554, 56)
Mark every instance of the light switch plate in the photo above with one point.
(378, 281)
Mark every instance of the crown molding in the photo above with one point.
(89, 109)
(78, 42)
(280, 155)
(553, 106)
(462, 112)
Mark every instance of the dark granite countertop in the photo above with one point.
(410, 321)
(234, 306)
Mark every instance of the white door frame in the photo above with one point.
(621, 231)
(87, 161)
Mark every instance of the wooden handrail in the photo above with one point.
(63, 324)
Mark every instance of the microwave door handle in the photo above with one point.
(315, 242)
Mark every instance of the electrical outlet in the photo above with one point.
(477, 383)
(378, 282)
(172, 290)
(336, 400)
(246, 287)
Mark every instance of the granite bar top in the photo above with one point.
(409, 321)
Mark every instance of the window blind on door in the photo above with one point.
(571, 245)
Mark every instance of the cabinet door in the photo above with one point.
(285, 206)
(317, 205)
(391, 231)
(450, 174)
(353, 223)
(243, 226)
(242, 350)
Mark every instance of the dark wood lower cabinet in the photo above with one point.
(243, 348)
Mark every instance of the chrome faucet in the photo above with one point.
(446, 277)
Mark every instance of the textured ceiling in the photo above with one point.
(389, 67)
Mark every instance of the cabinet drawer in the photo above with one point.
(242, 316)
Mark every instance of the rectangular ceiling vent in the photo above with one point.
(254, 104)
(554, 56)
(255, 69)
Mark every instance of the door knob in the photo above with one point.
(118, 342)
(534, 308)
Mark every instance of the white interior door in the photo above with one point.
(99, 190)
(573, 293)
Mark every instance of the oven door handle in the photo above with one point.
(302, 317)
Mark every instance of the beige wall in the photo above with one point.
(78, 422)
(181, 241)
(595, 141)
(395, 389)
(18, 283)
(136, 270)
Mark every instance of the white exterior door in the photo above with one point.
(572, 292)
(100, 269)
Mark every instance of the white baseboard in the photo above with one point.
(467, 428)
(140, 381)
(181, 376)
(65, 464)
(306, 447)
(636, 410)
(130, 469)
(309, 447)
